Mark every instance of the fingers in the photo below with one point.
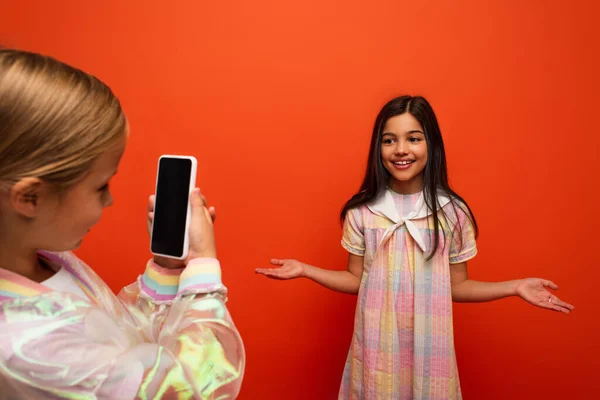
(556, 304)
(201, 234)
(563, 304)
(559, 309)
(263, 271)
(151, 201)
(274, 273)
(201, 201)
(150, 215)
(199, 211)
(198, 204)
(553, 302)
(197, 199)
(549, 284)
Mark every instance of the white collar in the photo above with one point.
(385, 206)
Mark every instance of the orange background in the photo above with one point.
(277, 99)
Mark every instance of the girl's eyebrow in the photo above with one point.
(409, 132)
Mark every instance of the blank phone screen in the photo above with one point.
(170, 209)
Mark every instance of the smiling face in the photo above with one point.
(404, 153)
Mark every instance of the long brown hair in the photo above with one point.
(435, 174)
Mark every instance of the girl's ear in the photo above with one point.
(25, 196)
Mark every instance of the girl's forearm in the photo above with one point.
(340, 281)
(470, 291)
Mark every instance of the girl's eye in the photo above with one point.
(414, 139)
(388, 141)
(104, 188)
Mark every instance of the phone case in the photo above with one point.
(192, 184)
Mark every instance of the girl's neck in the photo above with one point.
(24, 263)
(406, 187)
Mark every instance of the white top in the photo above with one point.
(62, 281)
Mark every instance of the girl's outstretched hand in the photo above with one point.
(288, 269)
(535, 291)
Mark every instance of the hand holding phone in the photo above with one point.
(175, 180)
(202, 236)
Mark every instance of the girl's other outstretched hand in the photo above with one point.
(288, 269)
(536, 291)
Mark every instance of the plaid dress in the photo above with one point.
(403, 346)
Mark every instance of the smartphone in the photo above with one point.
(175, 180)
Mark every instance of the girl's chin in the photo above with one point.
(74, 246)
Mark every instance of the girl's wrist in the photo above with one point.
(200, 254)
(514, 285)
(168, 263)
(306, 271)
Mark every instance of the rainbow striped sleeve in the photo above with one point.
(160, 283)
(202, 275)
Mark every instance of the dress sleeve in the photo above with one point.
(353, 238)
(463, 246)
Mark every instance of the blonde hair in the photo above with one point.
(55, 120)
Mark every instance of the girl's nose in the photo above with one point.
(402, 147)
(109, 200)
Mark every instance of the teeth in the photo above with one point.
(402, 162)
